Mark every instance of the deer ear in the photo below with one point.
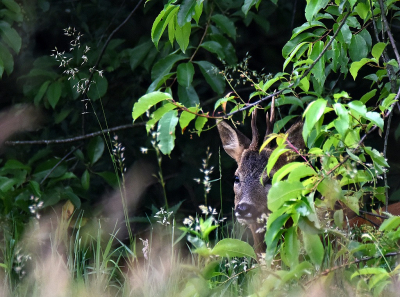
(233, 141)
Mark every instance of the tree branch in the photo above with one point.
(275, 94)
(73, 139)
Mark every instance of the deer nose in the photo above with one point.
(244, 210)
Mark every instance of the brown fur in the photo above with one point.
(250, 193)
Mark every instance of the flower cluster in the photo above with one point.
(163, 216)
(118, 153)
(35, 206)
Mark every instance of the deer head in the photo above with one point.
(250, 192)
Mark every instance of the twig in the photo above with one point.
(327, 271)
(393, 84)
(102, 53)
(59, 162)
(389, 33)
(73, 139)
(275, 94)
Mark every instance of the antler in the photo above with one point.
(270, 119)
(254, 131)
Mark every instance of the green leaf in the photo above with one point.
(54, 93)
(186, 12)
(274, 157)
(313, 113)
(306, 26)
(164, 66)
(147, 101)
(314, 248)
(370, 270)
(319, 69)
(188, 96)
(139, 53)
(330, 188)
(161, 22)
(69, 195)
(378, 49)
(110, 177)
(291, 247)
(364, 99)
(198, 11)
(157, 115)
(278, 125)
(376, 156)
(390, 224)
(375, 118)
(166, 131)
(358, 48)
(247, 5)
(358, 108)
(199, 124)
(185, 72)
(292, 54)
(355, 66)
(41, 92)
(274, 230)
(7, 59)
(85, 180)
(286, 169)
(95, 149)
(338, 218)
(283, 191)
(10, 36)
(186, 118)
(225, 24)
(362, 9)
(229, 247)
(313, 7)
(182, 35)
(270, 82)
(214, 47)
(212, 75)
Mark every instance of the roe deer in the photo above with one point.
(250, 193)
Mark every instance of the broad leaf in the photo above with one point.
(355, 67)
(186, 12)
(358, 48)
(185, 72)
(95, 149)
(147, 101)
(212, 75)
(166, 131)
(182, 35)
(186, 118)
(312, 114)
(283, 191)
(377, 50)
(314, 248)
(54, 93)
(229, 247)
(313, 7)
(158, 114)
(161, 22)
(225, 24)
(199, 124)
(188, 96)
(10, 36)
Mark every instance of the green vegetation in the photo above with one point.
(91, 204)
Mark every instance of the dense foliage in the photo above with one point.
(90, 67)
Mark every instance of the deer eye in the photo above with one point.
(237, 179)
